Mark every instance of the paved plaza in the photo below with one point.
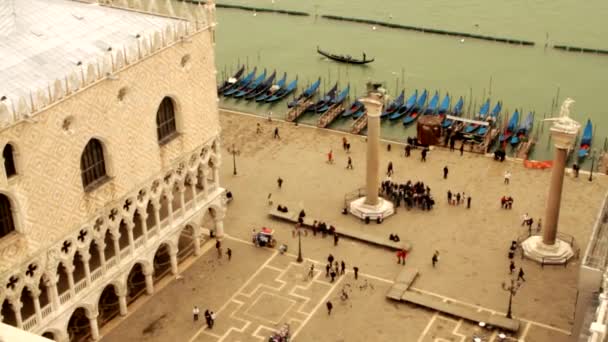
(259, 290)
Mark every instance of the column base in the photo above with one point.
(556, 254)
(363, 211)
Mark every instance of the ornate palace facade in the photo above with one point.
(109, 129)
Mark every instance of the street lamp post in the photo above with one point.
(512, 289)
(299, 231)
(592, 162)
(234, 152)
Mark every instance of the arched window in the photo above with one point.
(92, 165)
(9, 161)
(165, 121)
(6, 216)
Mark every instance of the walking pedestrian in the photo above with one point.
(458, 198)
(462, 148)
(511, 267)
(258, 130)
(576, 168)
(280, 182)
(423, 155)
(330, 259)
(218, 247)
(342, 267)
(311, 271)
(507, 177)
(344, 142)
(452, 143)
(195, 313)
(469, 202)
(212, 317)
(208, 318)
(449, 197)
(327, 268)
(276, 133)
(229, 253)
(349, 165)
(337, 267)
(408, 149)
(435, 258)
(330, 157)
(332, 274)
(388, 147)
(521, 274)
(336, 238)
(356, 270)
(347, 147)
(538, 225)
(389, 171)
(329, 307)
(445, 172)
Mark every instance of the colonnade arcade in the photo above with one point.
(93, 274)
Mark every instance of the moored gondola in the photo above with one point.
(307, 94)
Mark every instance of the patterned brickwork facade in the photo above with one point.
(47, 192)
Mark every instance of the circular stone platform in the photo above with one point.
(382, 210)
(535, 249)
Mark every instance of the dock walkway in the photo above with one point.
(400, 291)
(359, 124)
(292, 216)
(330, 115)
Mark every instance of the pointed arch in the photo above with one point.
(93, 165)
(8, 154)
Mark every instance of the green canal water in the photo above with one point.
(525, 78)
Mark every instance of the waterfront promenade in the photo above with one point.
(260, 289)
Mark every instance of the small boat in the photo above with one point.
(324, 100)
(345, 58)
(445, 105)
(418, 108)
(241, 84)
(251, 86)
(262, 88)
(456, 111)
(231, 81)
(404, 109)
(393, 106)
(524, 129)
(583, 150)
(272, 90)
(281, 93)
(511, 127)
(483, 111)
(492, 119)
(307, 94)
(432, 108)
(335, 100)
(353, 109)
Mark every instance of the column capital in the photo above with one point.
(34, 292)
(69, 266)
(92, 315)
(15, 303)
(86, 256)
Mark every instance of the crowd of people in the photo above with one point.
(413, 195)
(457, 198)
(506, 202)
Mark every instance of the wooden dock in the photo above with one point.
(294, 113)
(330, 115)
(359, 124)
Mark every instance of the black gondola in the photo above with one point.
(345, 58)
(231, 81)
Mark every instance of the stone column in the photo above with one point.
(193, 189)
(182, 200)
(143, 217)
(115, 239)
(94, 327)
(555, 197)
(170, 204)
(205, 184)
(173, 256)
(36, 298)
(122, 301)
(149, 282)
(197, 245)
(219, 229)
(156, 205)
(69, 267)
(51, 287)
(374, 106)
(17, 305)
(87, 268)
(101, 249)
(130, 226)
